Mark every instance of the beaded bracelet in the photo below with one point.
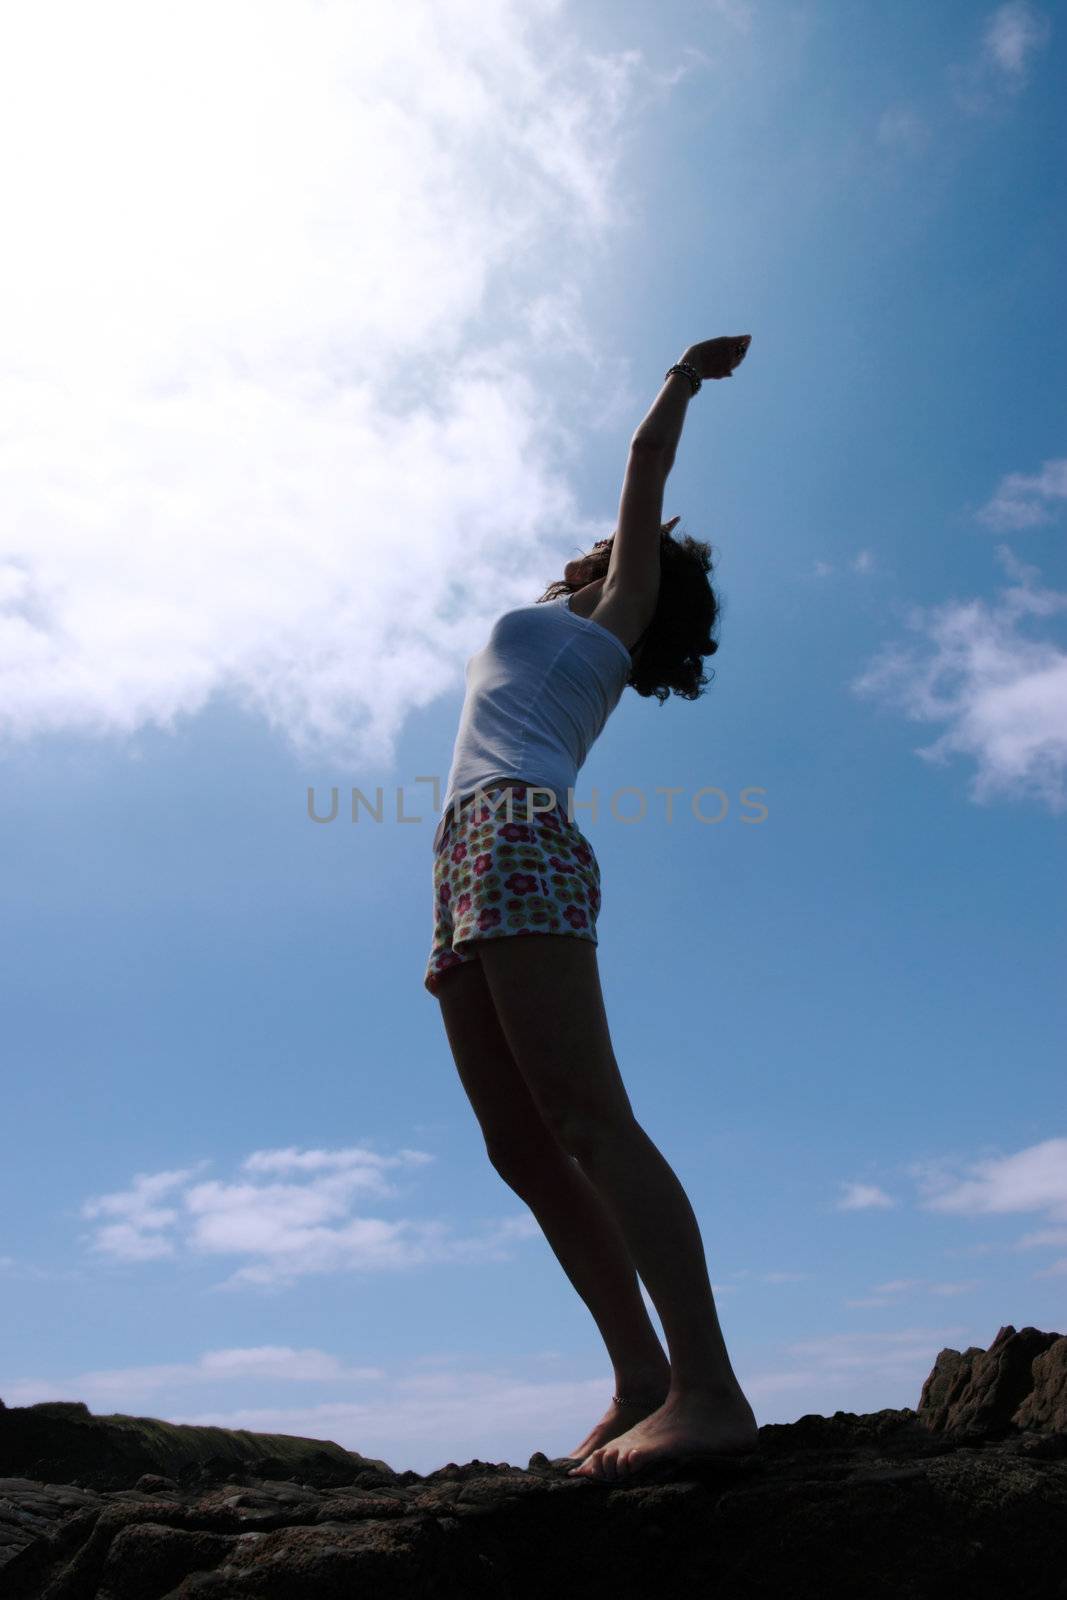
(690, 372)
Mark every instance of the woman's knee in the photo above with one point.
(527, 1157)
(547, 995)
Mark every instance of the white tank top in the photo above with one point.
(538, 695)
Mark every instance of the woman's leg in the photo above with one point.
(547, 995)
(582, 1233)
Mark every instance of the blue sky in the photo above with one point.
(300, 393)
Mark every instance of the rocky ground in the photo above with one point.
(964, 1496)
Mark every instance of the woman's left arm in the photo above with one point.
(662, 428)
(711, 358)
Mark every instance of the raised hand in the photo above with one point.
(717, 358)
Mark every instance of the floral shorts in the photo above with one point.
(492, 877)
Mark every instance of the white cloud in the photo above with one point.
(862, 561)
(863, 1196)
(365, 1163)
(1022, 501)
(259, 1364)
(905, 1353)
(884, 1292)
(127, 1241)
(1002, 693)
(138, 1236)
(693, 61)
(1033, 1179)
(1011, 37)
(286, 1231)
(1042, 1236)
(285, 405)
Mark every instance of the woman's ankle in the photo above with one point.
(723, 1392)
(643, 1382)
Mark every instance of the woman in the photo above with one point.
(525, 1016)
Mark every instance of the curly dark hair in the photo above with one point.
(680, 634)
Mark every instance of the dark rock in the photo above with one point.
(967, 1495)
(1045, 1407)
(57, 1441)
(152, 1483)
(990, 1392)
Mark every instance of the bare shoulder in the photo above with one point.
(625, 613)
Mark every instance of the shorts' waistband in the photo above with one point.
(520, 789)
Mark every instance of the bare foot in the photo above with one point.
(619, 1418)
(686, 1427)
